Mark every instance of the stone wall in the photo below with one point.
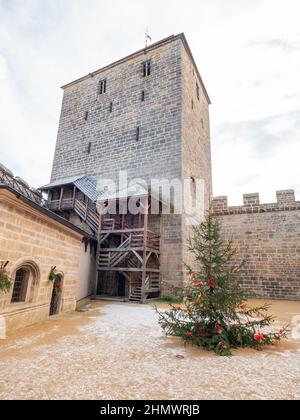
(196, 148)
(267, 237)
(174, 140)
(30, 237)
(112, 132)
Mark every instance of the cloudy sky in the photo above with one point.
(248, 52)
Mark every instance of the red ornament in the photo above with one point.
(212, 283)
(218, 328)
(259, 337)
(57, 285)
(198, 283)
(189, 334)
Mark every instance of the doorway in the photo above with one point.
(56, 296)
(121, 285)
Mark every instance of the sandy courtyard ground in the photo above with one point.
(117, 351)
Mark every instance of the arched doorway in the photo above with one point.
(56, 295)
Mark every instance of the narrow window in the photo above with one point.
(89, 148)
(143, 96)
(147, 68)
(197, 91)
(202, 122)
(192, 104)
(137, 133)
(102, 86)
(20, 286)
(111, 107)
(86, 115)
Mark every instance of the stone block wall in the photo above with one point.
(97, 132)
(196, 147)
(30, 237)
(267, 237)
(108, 121)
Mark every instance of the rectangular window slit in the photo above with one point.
(137, 133)
(147, 68)
(86, 115)
(143, 96)
(197, 91)
(89, 148)
(102, 86)
(111, 107)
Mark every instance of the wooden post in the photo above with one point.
(74, 196)
(98, 252)
(146, 208)
(49, 195)
(61, 197)
(86, 209)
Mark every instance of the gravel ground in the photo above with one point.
(117, 351)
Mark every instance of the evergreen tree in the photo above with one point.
(5, 280)
(215, 314)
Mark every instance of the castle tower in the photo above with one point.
(148, 114)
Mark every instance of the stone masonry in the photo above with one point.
(97, 133)
(27, 236)
(267, 237)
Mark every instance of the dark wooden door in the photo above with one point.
(121, 285)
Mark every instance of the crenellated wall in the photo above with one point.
(267, 237)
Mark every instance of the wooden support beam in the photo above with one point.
(61, 197)
(98, 251)
(146, 209)
(137, 255)
(74, 196)
(129, 269)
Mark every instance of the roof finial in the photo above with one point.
(148, 37)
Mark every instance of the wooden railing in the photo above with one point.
(7, 178)
(86, 214)
(64, 204)
(153, 240)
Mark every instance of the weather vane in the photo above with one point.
(148, 37)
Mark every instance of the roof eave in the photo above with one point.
(46, 212)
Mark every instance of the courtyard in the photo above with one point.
(117, 351)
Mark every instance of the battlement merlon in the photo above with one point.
(251, 204)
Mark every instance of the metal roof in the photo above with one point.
(61, 182)
(132, 191)
(82, 182)
(88, 187)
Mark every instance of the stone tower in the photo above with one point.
(148, 114)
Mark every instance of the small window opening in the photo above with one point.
(192, 104)
(202, 123)
(86, 115)
(137, 136)
(147, 68)
(143, 96)
(89, 148)
(198, 91)
(102, 86)
(111, 107)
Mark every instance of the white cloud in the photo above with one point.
(248, 54)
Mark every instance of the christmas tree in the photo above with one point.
(215, 314)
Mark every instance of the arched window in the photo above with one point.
(20, 286)
(25, 283)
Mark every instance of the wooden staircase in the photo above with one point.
(90, 217)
